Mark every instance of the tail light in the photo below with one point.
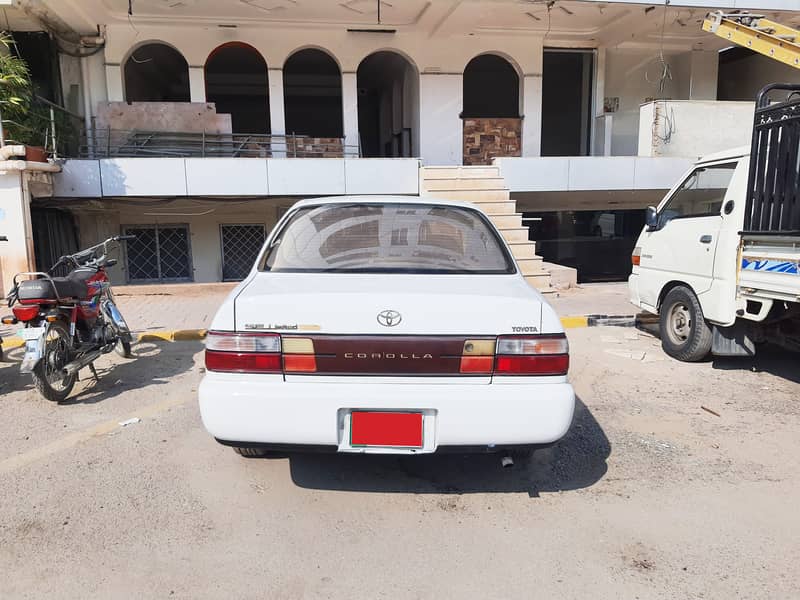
(243, 352)
(230, 352)
(532, 355)
(636, 256)
(26, 313)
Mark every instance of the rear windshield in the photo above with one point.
(387, 238)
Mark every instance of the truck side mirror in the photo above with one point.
(651, 218)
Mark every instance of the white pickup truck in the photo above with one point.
(719, 259)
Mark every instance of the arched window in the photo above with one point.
(156, 72)
(388, 105)
(312, 91)
(491, 88)
(236, 81)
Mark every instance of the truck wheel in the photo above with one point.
(685, 335)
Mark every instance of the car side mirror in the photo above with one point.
(651, 218)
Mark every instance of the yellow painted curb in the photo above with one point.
(175, 335)
(11, 343)
(573, 322)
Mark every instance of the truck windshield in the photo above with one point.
(387, 238)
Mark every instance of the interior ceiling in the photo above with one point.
(574, 23)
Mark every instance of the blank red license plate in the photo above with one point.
(398, 430)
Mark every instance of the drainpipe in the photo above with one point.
(87, 105)
(25, 165)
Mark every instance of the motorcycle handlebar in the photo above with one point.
(124, 238)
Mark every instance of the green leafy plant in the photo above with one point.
(16, 95)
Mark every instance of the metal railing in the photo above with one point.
(115, 143)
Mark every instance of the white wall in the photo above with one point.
(691, 128)
(16, 254)
(633, 77)
(236, 177)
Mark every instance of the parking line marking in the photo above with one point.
(571, 322)
(68, 441)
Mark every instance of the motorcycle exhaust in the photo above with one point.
(76, 365)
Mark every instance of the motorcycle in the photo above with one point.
(68, 322)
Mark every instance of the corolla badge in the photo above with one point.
(389, 318)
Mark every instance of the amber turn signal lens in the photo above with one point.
(636, 256)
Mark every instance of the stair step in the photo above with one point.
(445, 185)
(507, 221)
(514, 234)
(523, 250)
(498, 208)
(476, 196)
(541, 281)
(459, 172)
(531, 266)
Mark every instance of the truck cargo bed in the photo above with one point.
(770, 267)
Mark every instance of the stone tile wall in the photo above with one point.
(486, 138)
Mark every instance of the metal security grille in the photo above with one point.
(240, 247)
(773, 201)
(159, 253)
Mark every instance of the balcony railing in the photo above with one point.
(113, 143)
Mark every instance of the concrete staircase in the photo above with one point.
(484, 186)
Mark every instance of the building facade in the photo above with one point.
(202, 121)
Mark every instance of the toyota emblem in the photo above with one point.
(389, 318)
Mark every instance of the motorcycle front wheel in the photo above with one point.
(123, 346)
(48, 375)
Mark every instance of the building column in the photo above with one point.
(16, 255)
(703, 79)
(197, 84)
(114, 85)
(441, 130)
(277, 116)
(532, 113)
(350, 112)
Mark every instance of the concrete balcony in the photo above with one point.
(176, 177)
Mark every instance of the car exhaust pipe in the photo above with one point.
(76, 365)
(507, 461)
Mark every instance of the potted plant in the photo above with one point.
(23, 122)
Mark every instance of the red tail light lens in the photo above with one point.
(26, 313)
(532, 355)
(230, 352)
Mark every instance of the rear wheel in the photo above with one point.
(685, 335)
(48, 376)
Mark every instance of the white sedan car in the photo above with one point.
(386, 325)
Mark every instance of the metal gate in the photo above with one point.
(240, 247)
(159, 253)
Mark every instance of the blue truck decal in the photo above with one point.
(774, 266)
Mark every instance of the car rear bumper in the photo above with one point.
(266, 410)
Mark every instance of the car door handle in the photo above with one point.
(706, 239)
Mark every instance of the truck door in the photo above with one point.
(683, 244)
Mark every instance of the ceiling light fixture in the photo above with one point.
(361, 30)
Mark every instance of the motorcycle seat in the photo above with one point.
(72, 286)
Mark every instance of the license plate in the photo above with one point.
(31, 333)
(386, 429)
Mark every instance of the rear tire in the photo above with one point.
(249, 452)
(56, 355)
(685, 335)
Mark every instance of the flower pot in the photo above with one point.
(35, 154)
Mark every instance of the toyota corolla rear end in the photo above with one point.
(392, 326)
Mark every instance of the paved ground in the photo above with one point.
(649, 496)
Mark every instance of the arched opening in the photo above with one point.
(388, 105)
(312, 92)
(156, 72)
(491, 115)
(236, 81)
(491, 88)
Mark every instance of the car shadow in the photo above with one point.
(152, 364)
(577, 461)
(768, 359)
